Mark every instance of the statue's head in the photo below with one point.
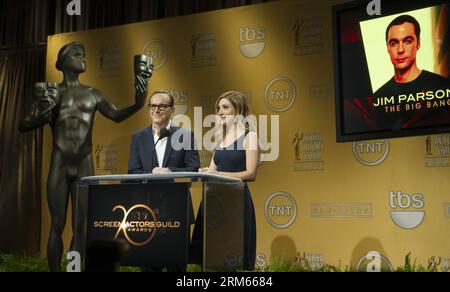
(71, 57)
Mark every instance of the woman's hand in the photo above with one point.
(207, 170)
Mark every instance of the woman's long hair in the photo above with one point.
(237, 99)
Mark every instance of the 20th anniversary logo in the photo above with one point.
(139, 224)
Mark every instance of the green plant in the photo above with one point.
(299, 263)
(14, 263)
(411, 266)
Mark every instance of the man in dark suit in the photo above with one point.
(176, 153)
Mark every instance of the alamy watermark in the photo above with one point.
(374, 7)
(74, 8)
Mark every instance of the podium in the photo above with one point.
(149, 215)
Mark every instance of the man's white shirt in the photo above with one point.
(160, 148)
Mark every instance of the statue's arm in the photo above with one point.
(34, 119)
(111, 112)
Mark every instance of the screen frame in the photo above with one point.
(337, 10)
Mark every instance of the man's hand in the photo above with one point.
(160, 170)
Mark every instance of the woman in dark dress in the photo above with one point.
(236, 156)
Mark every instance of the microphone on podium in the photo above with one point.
(163, 133)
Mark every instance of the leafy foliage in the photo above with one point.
(299, 263)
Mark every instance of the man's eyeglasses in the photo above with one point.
(161, 107)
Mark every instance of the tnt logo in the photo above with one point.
(404, 218)
(371, 153)
(280, 94)
(74, 8)
(252, 41)
(280, 210)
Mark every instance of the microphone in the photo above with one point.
(163, 133)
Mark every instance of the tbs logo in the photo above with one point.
(252, 41)
(404, 218)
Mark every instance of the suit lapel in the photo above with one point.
(169, 148)
(147, 149)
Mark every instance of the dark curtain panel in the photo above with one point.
(24, 27)
(20, 163)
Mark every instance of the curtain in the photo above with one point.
(20, 163)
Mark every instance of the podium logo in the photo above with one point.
(158, 51)
(404, 218)
(252, 41)
(371, 153)
(280, 94)
(373, 261)
(280, 210)
(139, 224)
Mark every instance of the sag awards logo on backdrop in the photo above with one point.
(406, 210)
(105, 159)
(446, 264)
(308, 152)
(280, 210)
(314, 260)
(280, 94)
(371, 153)
(138, 226)
(319, 91)
(158, 51)
(437, 151)
(203, 50)
(109, 61)
(208, 102)
(308, 36)
(252, 41)
(373, 261)
(447, 210)
(341, 210)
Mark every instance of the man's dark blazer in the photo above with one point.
(142, 151)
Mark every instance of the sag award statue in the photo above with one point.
(70, 109)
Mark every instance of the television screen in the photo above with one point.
(391, 70)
